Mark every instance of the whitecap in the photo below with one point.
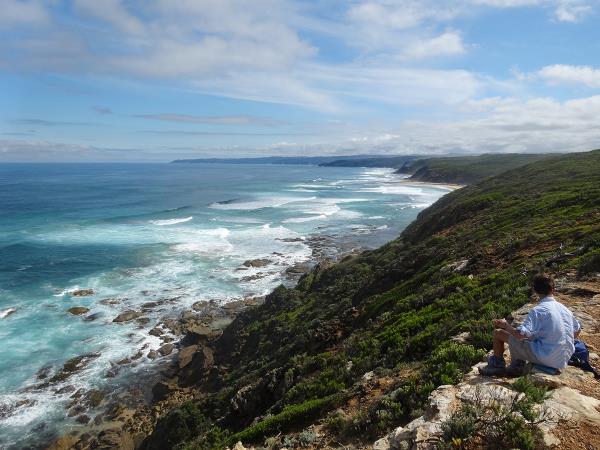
(7, 312)
(171, 221)
(269, 202)
(305, 219)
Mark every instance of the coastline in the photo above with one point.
(135, 408)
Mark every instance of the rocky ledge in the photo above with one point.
(571, 410)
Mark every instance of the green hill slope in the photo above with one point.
(468, 258)
(466, 169)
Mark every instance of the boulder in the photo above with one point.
(155, 332)
(83, 292)
(92, 317)
(259, 262)
(162, 389)
(166, 349)
(202, 361)
(186, 355)
(78, 310)
(152, 354)
(127, 316)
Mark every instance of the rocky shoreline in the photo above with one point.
(122, 419)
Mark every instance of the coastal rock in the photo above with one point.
(155, 332)
(83, 293)
(92, 317)
(200, 364)
(63, 443)
(110, 301)
(152, 354)
(162, 389)
(93, 398)
(78, 310)
(83, 419)
(127, 316)
(166, 349)
(186, 355)
(73, 365)
(259, 262)
(113, 439)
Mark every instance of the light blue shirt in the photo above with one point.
(550, 327)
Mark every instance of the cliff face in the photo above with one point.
(355, 350)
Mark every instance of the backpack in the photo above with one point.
(581, 358)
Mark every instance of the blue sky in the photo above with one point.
(155, 80)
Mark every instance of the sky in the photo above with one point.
(157, 80)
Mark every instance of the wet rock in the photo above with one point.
(44, 372)
(200, 306)
(185, 355)
(155, 332)
(152, 354)
(142, 320)
(73, 365)
(65, 390)
(92, 317)
(259, 262)
(94, 397)
(256, 276)
(83, 293)
(110, 301)
(166, 349)
(83, 419)
(127, 316)
(78, 310)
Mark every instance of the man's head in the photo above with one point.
(543, 284)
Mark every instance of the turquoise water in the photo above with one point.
(142, 233)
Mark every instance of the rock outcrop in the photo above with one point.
(573, 403)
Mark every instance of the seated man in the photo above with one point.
(545, 338)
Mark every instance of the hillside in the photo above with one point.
(357, 347)
(466, 169)
(292, 160)
(373, 161)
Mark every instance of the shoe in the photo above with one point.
(496, 367)
(516, 368)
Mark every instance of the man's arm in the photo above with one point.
(504, 325)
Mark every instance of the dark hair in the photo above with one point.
(543, 284)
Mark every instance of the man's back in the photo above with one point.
(551, 327)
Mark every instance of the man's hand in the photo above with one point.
(500, 323)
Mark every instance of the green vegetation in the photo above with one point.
(498, 423)
(466, 169)
(467, 259)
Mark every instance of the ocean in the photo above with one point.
(137, 233)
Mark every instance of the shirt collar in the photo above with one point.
(548, 298)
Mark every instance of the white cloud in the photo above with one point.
(575, 75)
(112, 12)
(213, 120)
(447, 44)
(16, 13)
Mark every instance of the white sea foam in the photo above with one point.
(7, 312)
(268, 202)
(171, 221)
(305, 219)
(376, 218)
